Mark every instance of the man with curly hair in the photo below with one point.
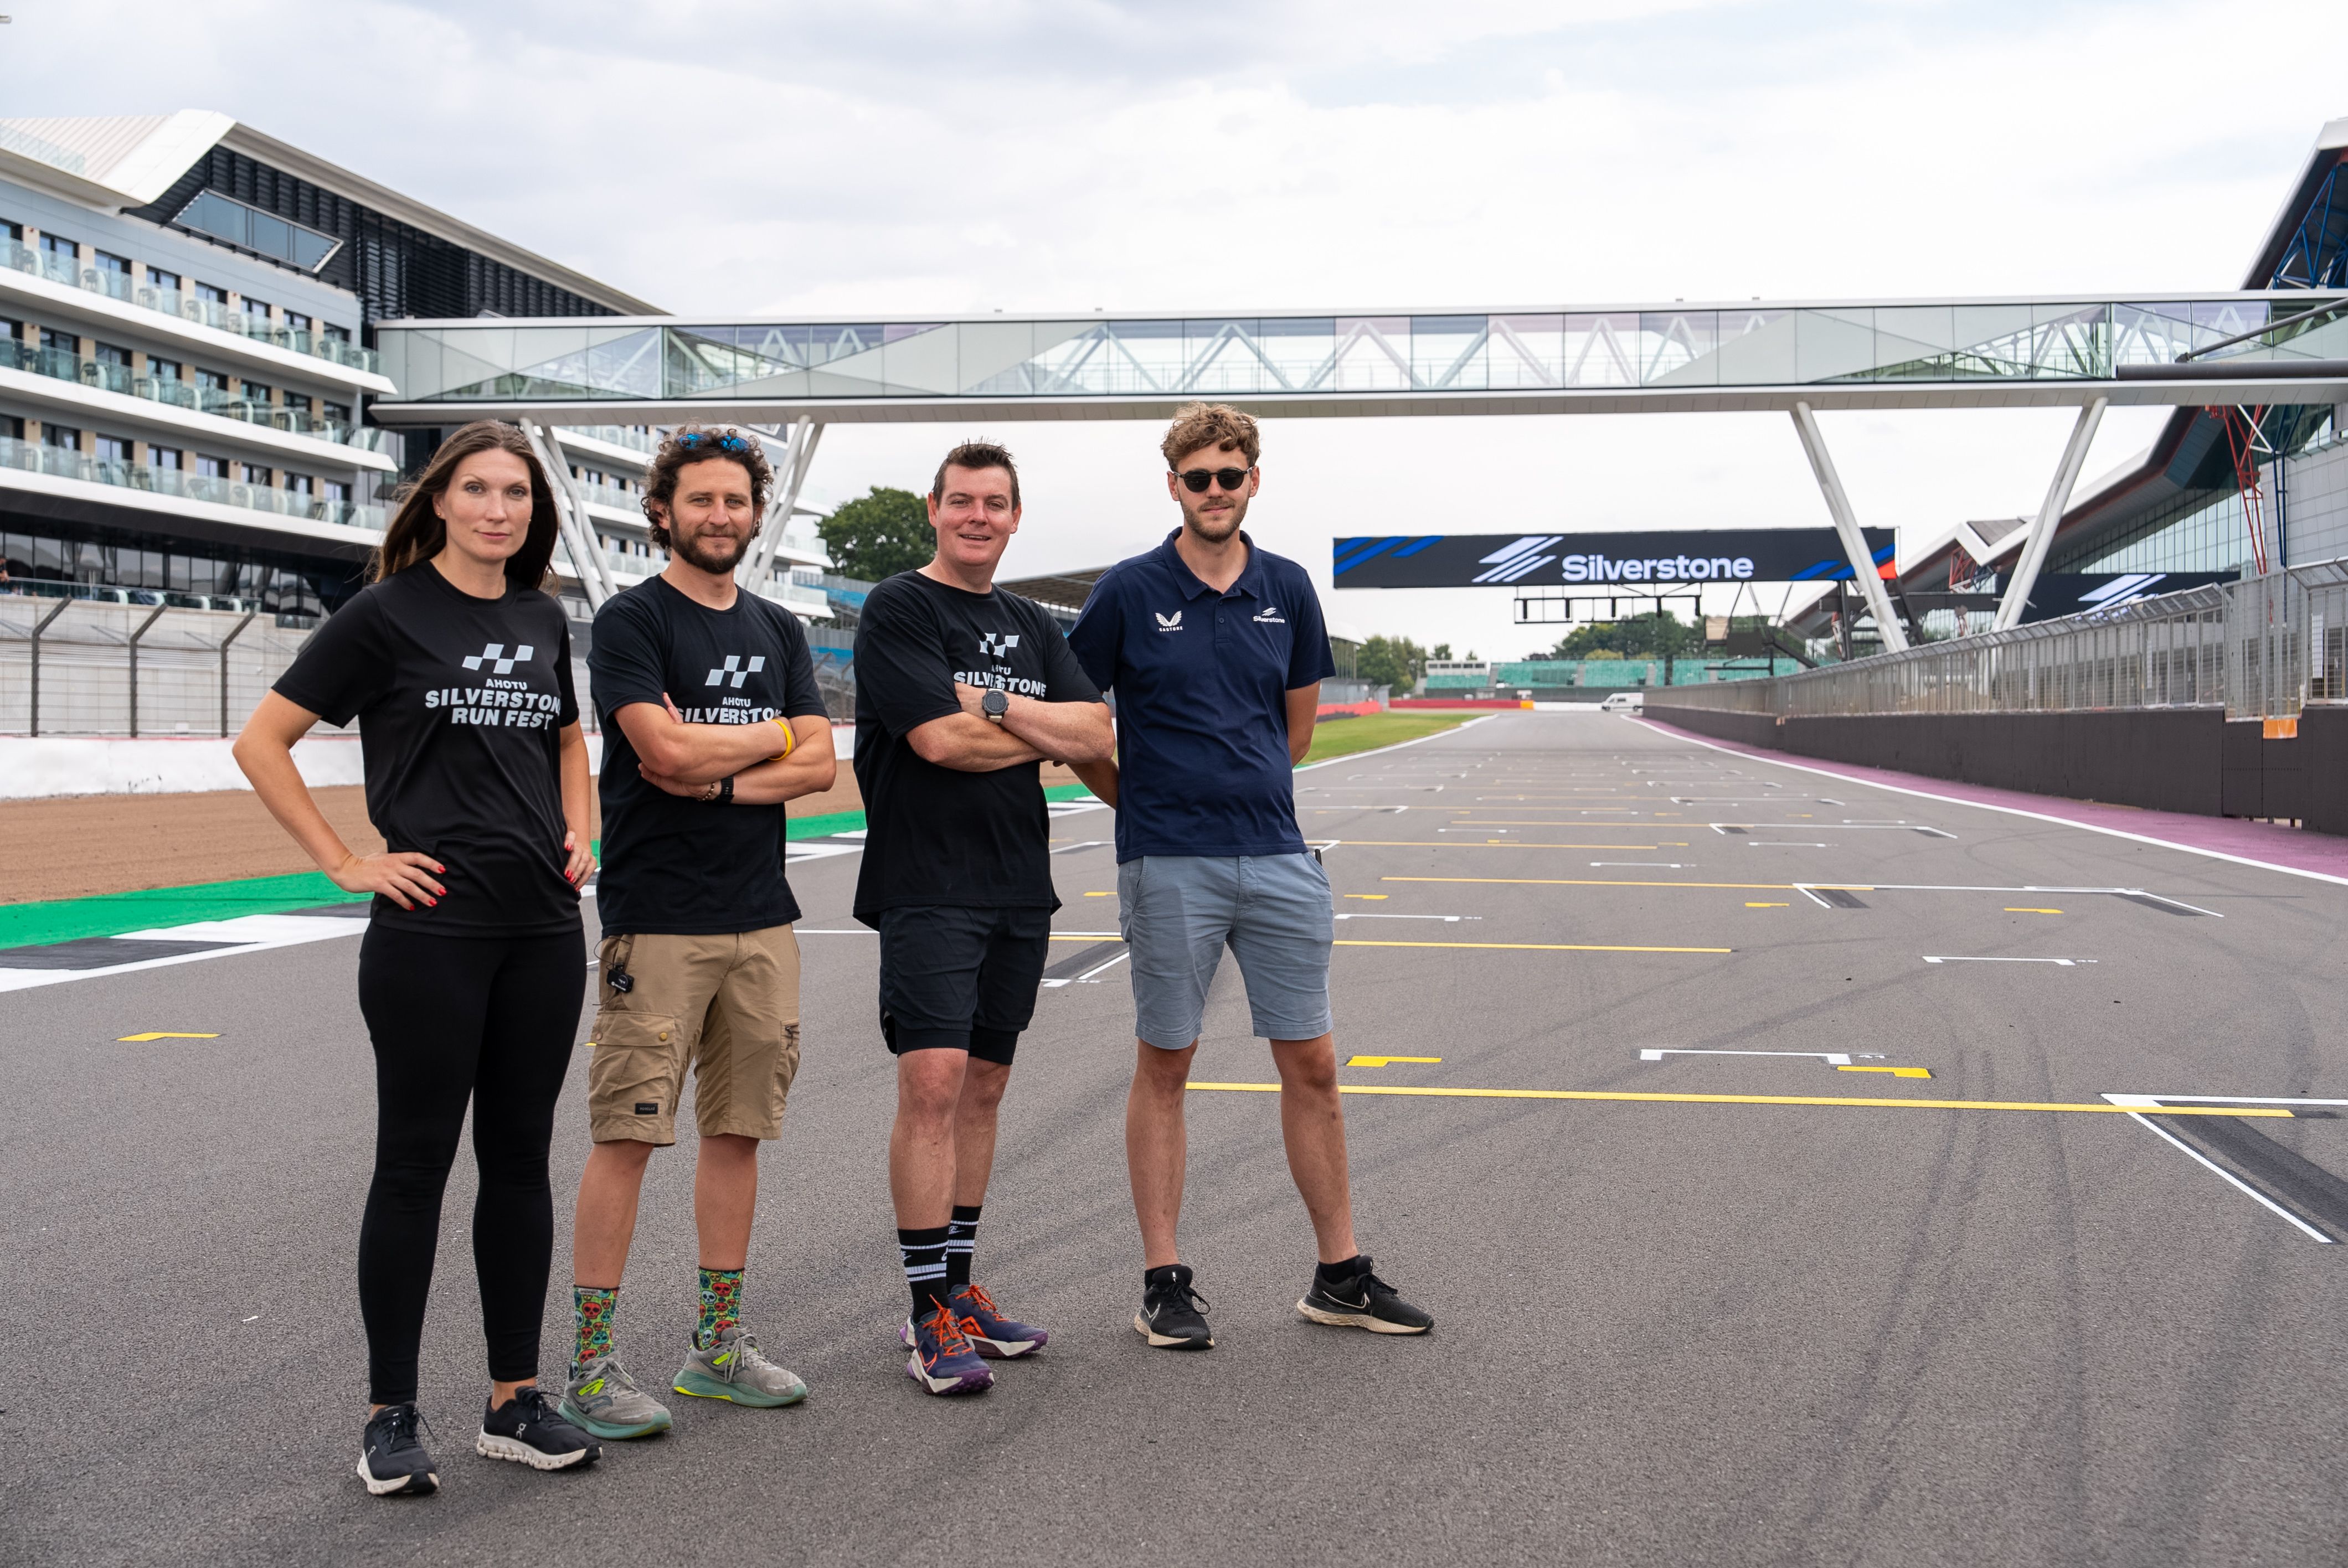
(711, 722)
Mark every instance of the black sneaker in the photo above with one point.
(1361, 1301)
(527, 1427)
(392, 1460)
(1170, 1317)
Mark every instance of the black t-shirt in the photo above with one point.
(935, 834)
(461, 702)
(671, 863)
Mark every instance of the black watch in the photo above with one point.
(995, 704)
(726, 790)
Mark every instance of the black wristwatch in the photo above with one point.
(995, 704)
(724, 790)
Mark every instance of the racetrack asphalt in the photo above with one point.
(1668, 1331)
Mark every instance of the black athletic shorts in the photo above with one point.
(955, 978)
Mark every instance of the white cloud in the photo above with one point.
(908, 160)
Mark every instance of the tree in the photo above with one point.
(1659, 635)
(1395, 661)
(879, 535)
(1443, 651)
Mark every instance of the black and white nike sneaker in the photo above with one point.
(391, 1458)
(528, 1429)
(1170, 1317)
(1357, 1298)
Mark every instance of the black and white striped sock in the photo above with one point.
(923, 1253)
(962, 1239)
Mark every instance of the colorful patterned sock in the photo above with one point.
(962, 1240)
(721, 1304)
(591, 1309)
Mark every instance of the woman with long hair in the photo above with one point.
(473, 969)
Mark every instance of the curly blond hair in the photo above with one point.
(1216, 424)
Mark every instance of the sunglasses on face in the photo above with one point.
(723, 443)
(1198, 479)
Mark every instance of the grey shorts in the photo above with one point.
(1177, 913)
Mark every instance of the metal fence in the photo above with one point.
(2262, 648)
(73, 667)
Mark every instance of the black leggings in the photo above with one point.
(489, 1020)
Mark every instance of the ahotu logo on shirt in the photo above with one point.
(996, 645)
(1169, 623)
(492, 655)
(733, 667)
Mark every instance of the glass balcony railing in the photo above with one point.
(108, 376)
(611, 496)
(35, 458)
(1981, 341)
(618, 436)
(255, 326)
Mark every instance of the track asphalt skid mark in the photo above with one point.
(2282, 1181)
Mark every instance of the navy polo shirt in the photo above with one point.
(1201, 681)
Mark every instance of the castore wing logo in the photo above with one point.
(735, 667)
(1168, 622)
(493, 655)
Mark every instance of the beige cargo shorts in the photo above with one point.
(727, 1004)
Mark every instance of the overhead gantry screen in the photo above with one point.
(1627, 561)
(1949, 354)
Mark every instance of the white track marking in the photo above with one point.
(1831, 1058)
(2032, 815)
(1984, 958)
(2228, 1176)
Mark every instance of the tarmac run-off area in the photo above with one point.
(1800, 1171)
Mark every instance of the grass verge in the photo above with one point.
(1344, 737)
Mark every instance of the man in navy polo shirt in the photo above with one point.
(1216, 652)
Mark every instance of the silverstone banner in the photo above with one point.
(1601, 561)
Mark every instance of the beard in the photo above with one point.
(711, 552)
(1218, 527)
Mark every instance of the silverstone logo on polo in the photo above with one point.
(737, 668)
(1270, 616)
(494, 655)
(1168, 622)
(996, 645)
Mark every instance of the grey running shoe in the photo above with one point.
(604, 1400)
(736, 1369)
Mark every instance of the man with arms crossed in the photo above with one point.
(1216, 652)
(711, 722)
(961, 689)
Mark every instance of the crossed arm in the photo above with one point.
(685, 759)
(1303, 705)
(1076, 734)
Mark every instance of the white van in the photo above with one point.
(1624, 702)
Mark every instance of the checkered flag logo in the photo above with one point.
(735, 668)
(494, 657)
(996, 645)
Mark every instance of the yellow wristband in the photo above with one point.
(789, 739)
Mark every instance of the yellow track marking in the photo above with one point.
(1608, 882)
(1539, 947)
(1493, 843)
(1369, 895)
(1895, 1072)
(1385, 1061)
(2014, 911)
(1768, 1100)
(1750, 905)
(1110, 893)
(162, 1034)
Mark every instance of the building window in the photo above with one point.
(255, 473)
(12, 231)
(211, 468)
(300, 484)
(335, 490)
(60, 246)
(64, 436)
(11, 427)
(296, 322)
(111, 448)
(57, 341)
(106, 262)
(213, 294)
(162, 369)
(253, 307)
(213, 381)
(163, 456)
(250, 229)
(159, 279)
(338, 334)
(256, 394)
(336, 413)
(107, 353)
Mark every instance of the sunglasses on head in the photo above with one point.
(723, 443)
(1198, 479)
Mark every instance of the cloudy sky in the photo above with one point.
(911, 160)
